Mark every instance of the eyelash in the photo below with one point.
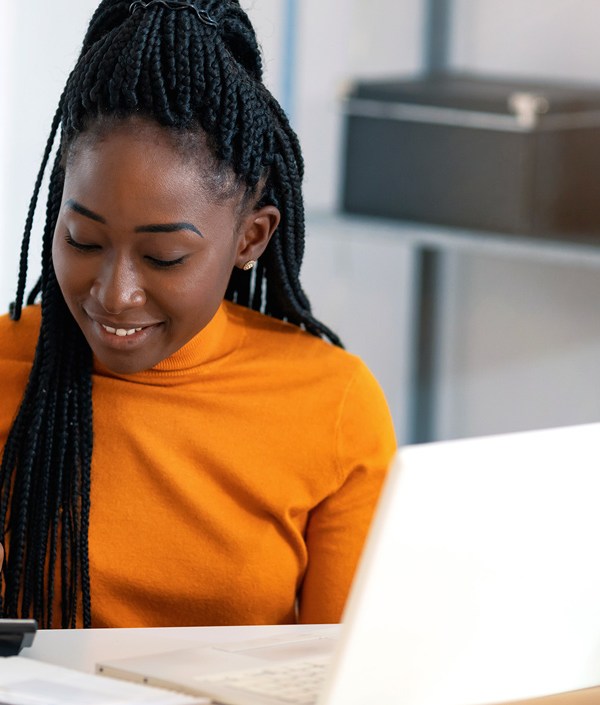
(159, 263)
(165, 263)
(78, 245)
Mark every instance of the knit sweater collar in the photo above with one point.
(210, 346)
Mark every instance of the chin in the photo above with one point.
(122, 369)
(123, 365)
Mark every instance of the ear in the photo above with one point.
(254, 233)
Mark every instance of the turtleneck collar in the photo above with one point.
(210, 346)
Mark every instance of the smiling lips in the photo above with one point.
(121, 332)
(129, 330)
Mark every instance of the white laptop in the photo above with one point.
(479, 583)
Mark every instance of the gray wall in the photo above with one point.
(521, 338)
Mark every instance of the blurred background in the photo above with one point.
(506, 333)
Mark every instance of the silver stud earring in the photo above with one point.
(249, 264)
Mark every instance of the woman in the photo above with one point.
(184, 443)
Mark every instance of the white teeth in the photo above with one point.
(121, 332)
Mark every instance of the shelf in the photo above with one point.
(445, 239)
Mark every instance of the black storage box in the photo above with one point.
(475, 152)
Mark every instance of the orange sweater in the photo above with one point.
(231, 484)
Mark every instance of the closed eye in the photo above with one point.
(154, 261)
(79, 245)
(164, 263)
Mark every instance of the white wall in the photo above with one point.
(553, 39)
(42, 43)
(6, 49)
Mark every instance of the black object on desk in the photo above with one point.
(475, 152)
(15, 634)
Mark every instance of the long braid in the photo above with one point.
(18, 304)
(35, 506)
(201, 80)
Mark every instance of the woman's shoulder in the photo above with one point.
(19, 338)
(282, 351)
(286, 342)
(322, 380)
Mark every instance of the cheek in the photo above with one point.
(193, 298)
(205, 280)
(72, 276)
(189, 295)
(58, 262)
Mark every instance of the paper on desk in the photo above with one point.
(25, 681)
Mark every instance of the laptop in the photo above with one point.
(479, 583)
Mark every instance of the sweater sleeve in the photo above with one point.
(338, 526)
(17, 350)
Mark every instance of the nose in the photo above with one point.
(118, 286)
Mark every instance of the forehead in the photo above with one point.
(137, 165)
(124, 169)
(155, 147)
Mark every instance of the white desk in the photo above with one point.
(81, 649)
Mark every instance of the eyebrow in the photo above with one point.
(74, 205)
(168, 228)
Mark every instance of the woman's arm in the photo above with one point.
(337, 527)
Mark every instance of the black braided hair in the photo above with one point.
(197, 71)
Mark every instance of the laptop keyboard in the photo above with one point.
(294, 682)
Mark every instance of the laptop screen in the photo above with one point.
(480, 581)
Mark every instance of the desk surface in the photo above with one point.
(81, 649)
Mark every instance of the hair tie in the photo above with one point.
(202, 15)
